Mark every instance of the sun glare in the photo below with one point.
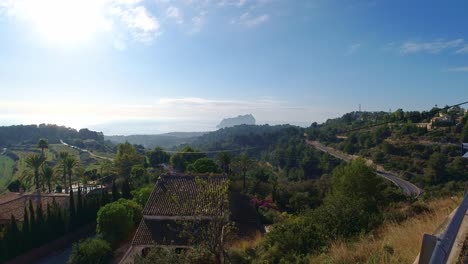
(66, 22)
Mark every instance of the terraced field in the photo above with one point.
(7, 166)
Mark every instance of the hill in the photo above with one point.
(167, 140)
(239, 120)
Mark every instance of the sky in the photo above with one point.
(186, 64)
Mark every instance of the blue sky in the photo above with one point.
(81, 63)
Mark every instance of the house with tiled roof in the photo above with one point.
(177, 199)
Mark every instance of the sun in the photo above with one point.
(67, 22)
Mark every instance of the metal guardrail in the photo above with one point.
(444, 244)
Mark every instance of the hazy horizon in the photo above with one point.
(90, 62)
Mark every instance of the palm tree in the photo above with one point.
(43, 144)
(70, 164)
(47, 176)
(63, 156)
(224, 160)
(35, 162)
(243, 163)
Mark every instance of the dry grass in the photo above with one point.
(251, 242)
(392, 243)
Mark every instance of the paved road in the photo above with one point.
(407, 187)
(85, 150)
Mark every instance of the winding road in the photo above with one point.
(85, 150)
(407, 188)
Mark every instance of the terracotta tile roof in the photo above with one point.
(177, 195)
(14, 203)
(142, 235)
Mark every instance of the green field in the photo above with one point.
(6, 171)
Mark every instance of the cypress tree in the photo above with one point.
(104, 197)
(26, 231)
(79, 207)
(32, 224)
(41, 227)
(115, 192)
(49, 224)
(3, 251)
(126, 190)
(12, 238)
(464, 134)
(72, 210)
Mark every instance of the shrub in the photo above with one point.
(134, 207)
(114, 222)
(96, 251)
(142, 195)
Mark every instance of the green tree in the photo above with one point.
(295, 237)
(142, 195)
(134, 207)
(114, 222)
(126, 190)
(47, 176)
(126, 158)
(186, 156)
(464, 134)
(91, 250)
(70, 164)
(203, 165)
(79, 206)
(72, 211)
(32, 220)
(63, 169)
(12, 238)
(158, 156)
(224, 161)
(35, 162)
(115, 192)
(457, 169)
(435, 167)
(138, 175)
(43, 144)
(243, 164)
(26, 230)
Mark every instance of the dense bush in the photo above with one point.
(114, 222)
(91, 250)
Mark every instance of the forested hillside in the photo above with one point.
(167, 140)
(30, 134)
(424, 147)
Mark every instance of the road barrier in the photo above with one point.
(442, 248)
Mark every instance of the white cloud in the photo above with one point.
(238, 3)
(458, 69)
(145, 26)
(463, 50)
(433, 47)
(197, 23)
(251, 21)
(78, 21)
(175, 13)
(74, 22)
(353, 48)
